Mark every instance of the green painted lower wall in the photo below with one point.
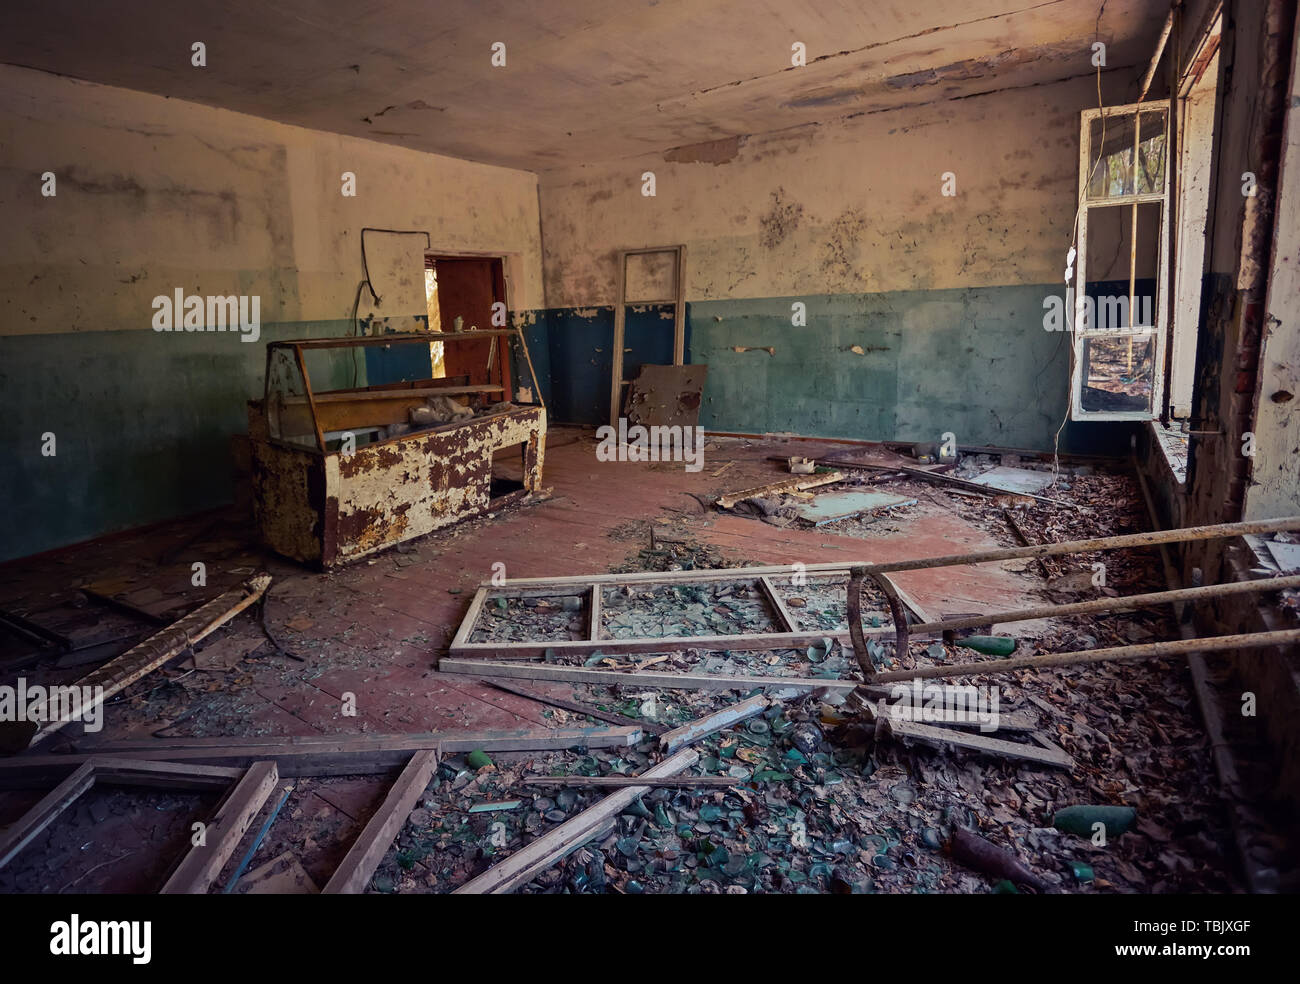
(142, 423)
(974, 361)
(143, 420)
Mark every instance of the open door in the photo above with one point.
(467, 288)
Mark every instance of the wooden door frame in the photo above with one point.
(678, 301)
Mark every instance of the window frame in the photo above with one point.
(1157, 332)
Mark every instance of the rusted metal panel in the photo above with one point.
(413, 485)
(329, 508)
(289, 500)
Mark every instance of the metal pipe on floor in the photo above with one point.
(1123, 604)
(1149, 650)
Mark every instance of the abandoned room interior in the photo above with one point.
(672, 447)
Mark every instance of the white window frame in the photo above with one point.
(1159, 330)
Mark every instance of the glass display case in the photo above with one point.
(354, 450)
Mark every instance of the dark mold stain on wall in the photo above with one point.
(840, 252)
(780, 221)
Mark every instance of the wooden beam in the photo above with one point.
(857, 636)
(620, 329)
(159, 649)
(783, 616)
(534, 858)
(618, 782)
(22, 831)
(579, 708)
(666, 644)
(314, 755)
(797, 484)
(201, 866)
(311, 399)
(117, 771)
(693, 731)
(593, 613)
(405, 337)
(354, 873)
(471, 617)
(1018, 720)
(927, 734)
(646, 678)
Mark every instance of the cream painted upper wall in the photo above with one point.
(845, 207)
(155, 194)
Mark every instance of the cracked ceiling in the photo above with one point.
(583, 81)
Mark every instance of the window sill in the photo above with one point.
(1173, 445)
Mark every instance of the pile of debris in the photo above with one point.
(440, 410)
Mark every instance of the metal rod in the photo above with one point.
(1155, 58)
(856, 578)
(1149, 650)
(1125, 604)
(257, 842)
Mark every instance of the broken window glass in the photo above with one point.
(1117, 374)
(1126, 154)
(288, 415)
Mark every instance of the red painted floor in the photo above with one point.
(374, 630)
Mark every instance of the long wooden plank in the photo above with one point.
(946, 738)
(748, 642)
(942, 479)
(1016, 721)
(593, 613)
(353, 875)
(579, 708)
(315, 755)
(21, 833)
(693, 731)
(534, 858)
(647, 678)
(471, 617)
(783, 616)
(204, 862)
(119, 673)
(118, 771)
(797, 484)
(618, 782)
(520, 739)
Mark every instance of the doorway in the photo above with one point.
(463, 294)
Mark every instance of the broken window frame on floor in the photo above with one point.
(1155, 334)
(591, 588)
(320, 506)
